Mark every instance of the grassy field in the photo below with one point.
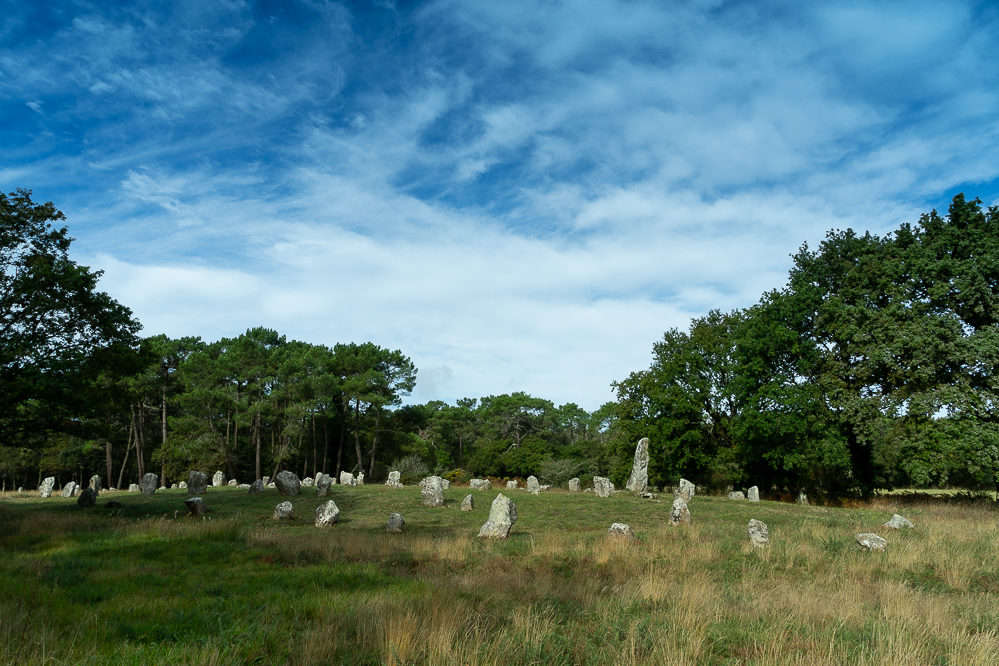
(147, 584)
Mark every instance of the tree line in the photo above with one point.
(873, 366)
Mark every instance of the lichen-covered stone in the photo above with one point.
(468, 503)
(432, 491)
(256, 487)
(197, 483)
(502, 516)
(871, 541)
(218, 479)
(532, 485)
(573, 485)
(283, 511)
(480, 484)
(897, 522)
(69, 489)
(95, 484)
(148, 483)
(679, 513)
(758, 533)
(347, 479)
(395, 523)
(737, 495)
(287, 483)
(803, 498)
(753, 494)
(182, 485)
(510, 485)
(195, 505)
(602, 486)
(323, 483)
(394, 479)
(308, 482)
(327, 513)
(133, 487)
(45, 489)
(621, 531)
(639, 479)
(359, 481)
(233, 483)
(685, 490)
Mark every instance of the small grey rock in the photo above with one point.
(736, 495)
(323, 483)
(287, 483)
(87, 498)
(871, 542)
(898, 522)
(758, 533)
(679, 513)
(480, 484)
(621, 530)
(196, 506)
(573, 485)
(233, 483)
(394, 479)
(327, 514)
(532, 485)
(395, 523)
(468, 503)
(256, 487)
(197, 483)
(283, 510)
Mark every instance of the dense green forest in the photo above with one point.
(872, 367)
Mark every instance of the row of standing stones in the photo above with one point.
(502, 514)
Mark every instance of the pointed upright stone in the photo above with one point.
(638, 482)
(679, 513)
(533, 486)
(686, 490)
(45, 489)
(753, 494)
(468, 503)
(148, 483)
(218, 479)
(758, 533)
(502, 516)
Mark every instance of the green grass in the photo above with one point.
(147, 584)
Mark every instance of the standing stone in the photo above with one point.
(736, 495)
(148, 483)
(283, 510)
(287, 483)
(45, 490)
(266, 480)
(753, 494)
(394, 479)
(182, 485)
(532, 485)
(480, 484)
(359, 481)
(758, 533)
(95, 484)
(686, 490)
(897, 522)
(502, 516)
(573, 485)
(620, 530)
(803, 498)
(871, 541)
(445, 484)
(308, 482)
(347, 479)
(327, 514)
(602, 486)
(468, 503)
(256, 487)
(69, 489)
(133, 487)
(395, 523)
(639, 479)
(233, 483)
(679, 513)
(217, 479)
(510, 485)
(195, 505)
(432, 491)
(87, 498)
(323, 483)
(197, 483)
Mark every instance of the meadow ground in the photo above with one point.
(147, 584)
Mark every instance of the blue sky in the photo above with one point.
(519, 195)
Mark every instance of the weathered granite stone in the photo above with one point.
(283, 510)
(532, 485)
(244, 486)
(621, 531)
(639, 479)
(502, 516)
(270, 485)
(468, 503)
(308, 482)
(133, 487)
(510, 485)
(480, 484)
(359, 481)
(327, 513)
(233, 483)
(197, 483)
(95, 483)
(347, 479)
(432, 491)
(182, 485)
(753, 494)
(898, 522)
(679, 514)
(173, 486)
(445, 484)
(287, 483)
(218, 479)
(871, 541)
(394, 479)
(323, 483)
(736, 495)
(758, 533)
(195, 505)
(69, 489)
(602, 486)
(803, 498)
(256, 487)
(395, 523)
(573, 485)
(87, 498)
(45, 489)
(685, 490)
(148, 483)
(266, 480)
